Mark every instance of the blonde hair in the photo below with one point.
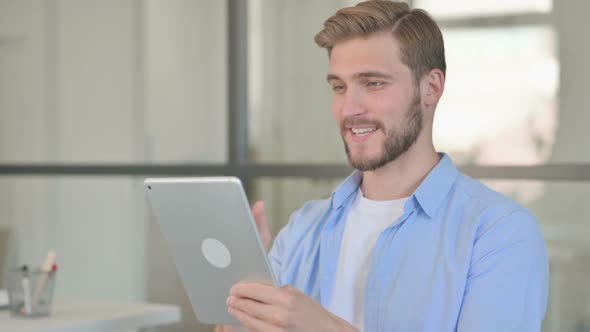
(420, 40)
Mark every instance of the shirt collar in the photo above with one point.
(429, 194)
(346, 189)
(436, 185)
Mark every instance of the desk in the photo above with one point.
(94, 316)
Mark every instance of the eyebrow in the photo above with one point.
(365, 74)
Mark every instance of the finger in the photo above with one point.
(258, 291)
(249, 322)
(259, 213)
(267, 313)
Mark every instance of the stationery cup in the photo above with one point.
(30, 292)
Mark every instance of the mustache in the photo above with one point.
(358, 121)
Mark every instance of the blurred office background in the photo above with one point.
(97, 94)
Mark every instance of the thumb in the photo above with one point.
(259, 213)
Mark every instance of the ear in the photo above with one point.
(432, 86)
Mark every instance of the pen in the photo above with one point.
(48, 266)
(26, 290)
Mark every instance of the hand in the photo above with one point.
(261, 223)
(264, 307)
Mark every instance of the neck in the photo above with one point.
(401, 177)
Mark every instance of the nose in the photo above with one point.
(352, 104)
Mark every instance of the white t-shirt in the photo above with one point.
(366, 220)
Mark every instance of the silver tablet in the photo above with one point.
(211, 233)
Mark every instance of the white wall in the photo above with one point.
(184, 60)
(69, 94)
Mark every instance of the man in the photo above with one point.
(406, 243)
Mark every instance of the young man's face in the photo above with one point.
(375, 100)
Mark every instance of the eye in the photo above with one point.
(337, 88)
(374, 84)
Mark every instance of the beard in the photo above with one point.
(396, 143)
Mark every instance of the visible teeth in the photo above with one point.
(362, 131)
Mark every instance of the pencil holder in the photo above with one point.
(30, 292)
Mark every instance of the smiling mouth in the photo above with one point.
(362, 131)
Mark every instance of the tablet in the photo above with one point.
(212, 236)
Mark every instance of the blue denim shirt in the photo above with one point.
(462, 257)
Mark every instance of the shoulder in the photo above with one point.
(308, 218)
(475, 192)
(488, 209)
